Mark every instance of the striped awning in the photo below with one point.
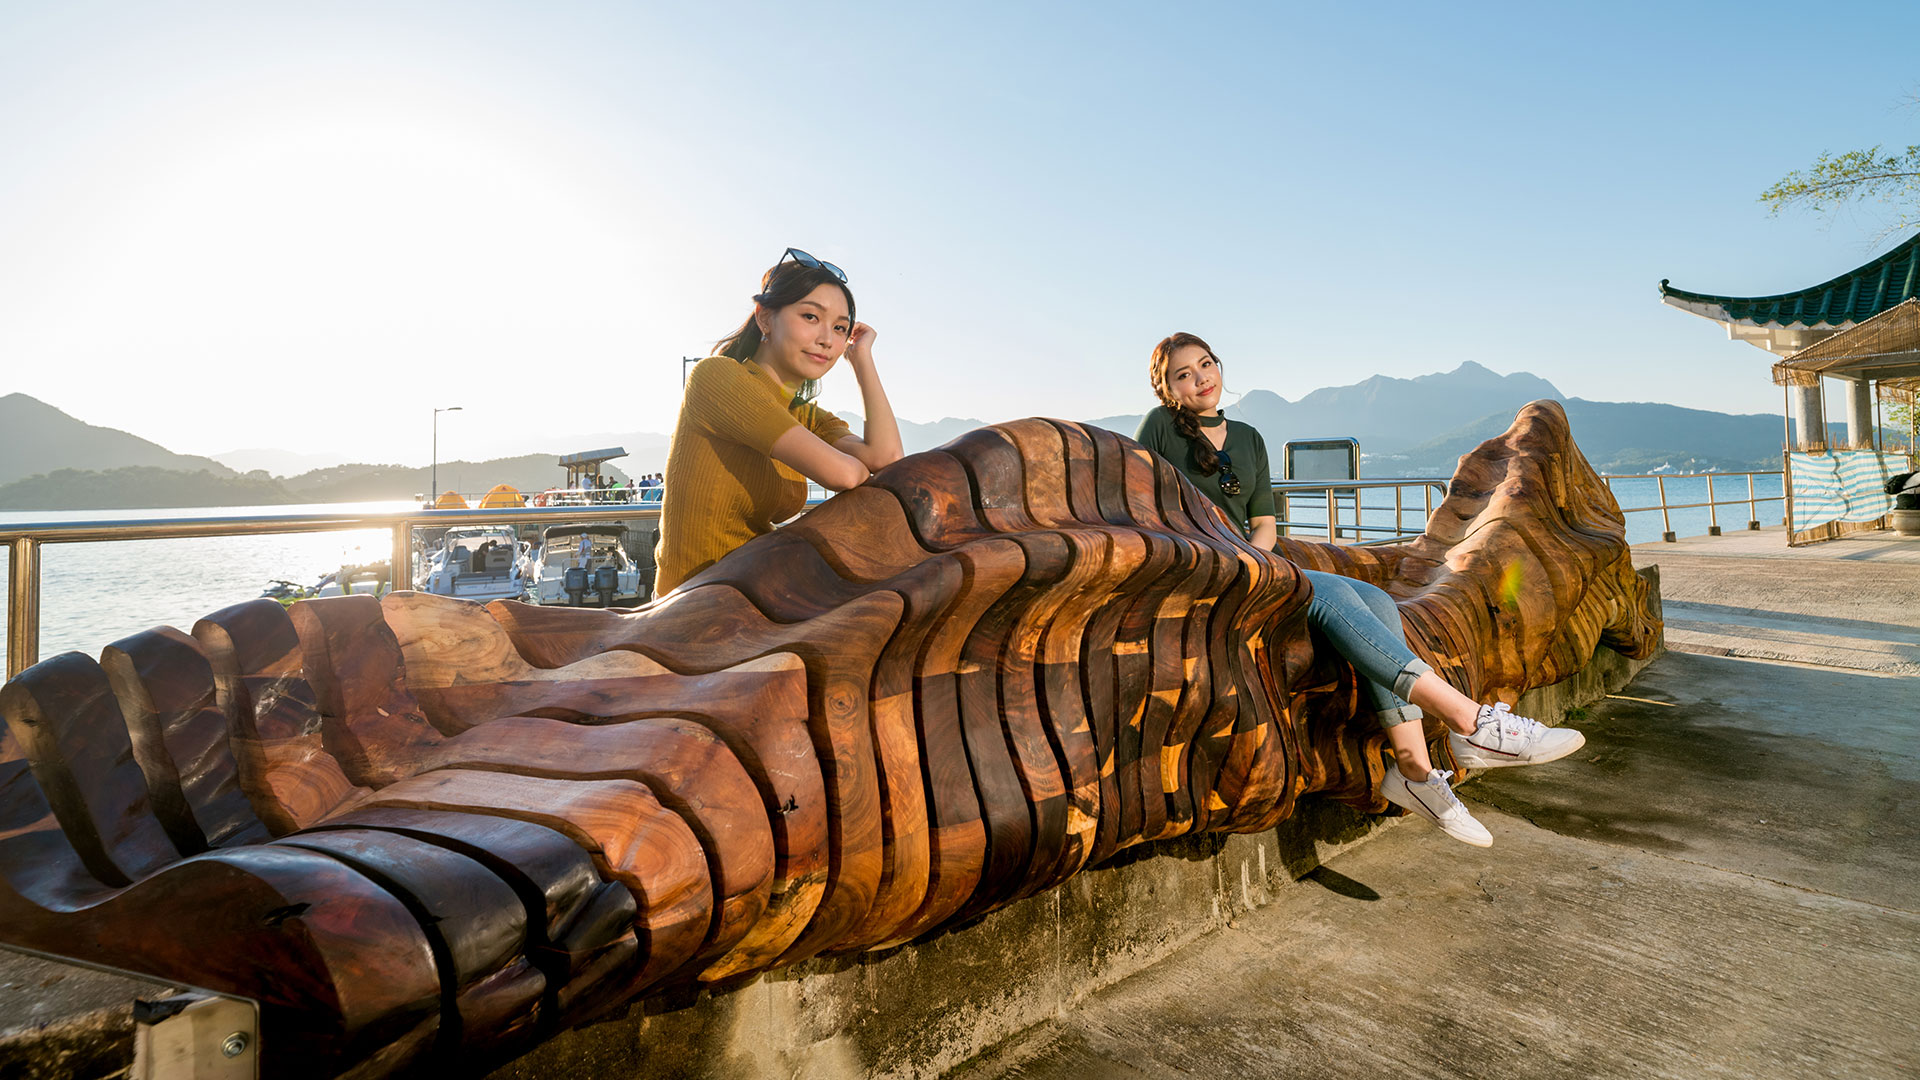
(1833, 493)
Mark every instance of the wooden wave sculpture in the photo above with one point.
(420, 831)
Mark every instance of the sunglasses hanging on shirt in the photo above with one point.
(1229, 483)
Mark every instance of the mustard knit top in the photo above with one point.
(723, 487)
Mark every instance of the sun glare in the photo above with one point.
(363, 251)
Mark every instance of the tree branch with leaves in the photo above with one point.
(1833, 179)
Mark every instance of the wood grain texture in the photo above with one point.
(994, 665)
(165, 687)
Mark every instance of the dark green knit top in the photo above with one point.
(1244, 446)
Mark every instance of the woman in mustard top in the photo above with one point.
(1227, 461)
(749, 436)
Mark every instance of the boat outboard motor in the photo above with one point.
(606, 582)
(575, 582)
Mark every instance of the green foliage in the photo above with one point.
(1900, 422)
(1857, 174)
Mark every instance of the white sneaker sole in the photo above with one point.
(1470, 756)
(1467, 832)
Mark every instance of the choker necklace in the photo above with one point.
(1211, 421)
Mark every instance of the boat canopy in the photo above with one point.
(605, 528)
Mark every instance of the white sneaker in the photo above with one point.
(1433, 799)
(1504, 738)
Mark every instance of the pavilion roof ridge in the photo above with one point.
(1860, 293)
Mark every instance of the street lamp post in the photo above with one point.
(434, 495)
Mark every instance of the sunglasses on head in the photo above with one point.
(1229, 483)
(812, 263)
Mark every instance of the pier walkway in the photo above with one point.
(1724, 882)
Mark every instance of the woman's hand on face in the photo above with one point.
(860, 343)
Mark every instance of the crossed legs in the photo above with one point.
(1362, 623)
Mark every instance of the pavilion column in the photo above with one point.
(1809, 417)
(1860, 414)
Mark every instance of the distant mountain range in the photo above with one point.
(1406, 427)
(1421, 426)
(367, 483)
(37, 438)
(646, 453)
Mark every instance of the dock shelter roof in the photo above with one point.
(1884, 349)
(591, 458)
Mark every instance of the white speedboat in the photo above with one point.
(584, 565)
(475, 562)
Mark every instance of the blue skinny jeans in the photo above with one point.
(1364, 626)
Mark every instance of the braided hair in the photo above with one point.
(1185, 420)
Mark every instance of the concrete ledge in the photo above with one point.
(920, 1010)
(63, 1021)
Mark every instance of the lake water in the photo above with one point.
(95, 593)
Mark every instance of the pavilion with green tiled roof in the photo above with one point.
(1789, 322)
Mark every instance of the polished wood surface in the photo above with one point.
(426, 833)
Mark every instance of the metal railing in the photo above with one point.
(1712, 504)
(1334, 495)
(25, 539)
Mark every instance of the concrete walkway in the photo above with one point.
(1851, 603)
(1725, 882)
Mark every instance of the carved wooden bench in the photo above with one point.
(423, 831)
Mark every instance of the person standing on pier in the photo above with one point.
(1227, 461)
(749, 436)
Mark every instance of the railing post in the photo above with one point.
(401, 572)
(1753, 510)
(1666, 519)
(23, 605)
(1713, 510)
(1333, 518)
(1398, 529)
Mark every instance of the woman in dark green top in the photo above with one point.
(1227, 461)
(1239, 460)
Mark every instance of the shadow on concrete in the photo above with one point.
(1336, 882)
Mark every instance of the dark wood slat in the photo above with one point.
(165, 688)
(474, 923)
(68, 724)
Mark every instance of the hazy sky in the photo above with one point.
(306, 225)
